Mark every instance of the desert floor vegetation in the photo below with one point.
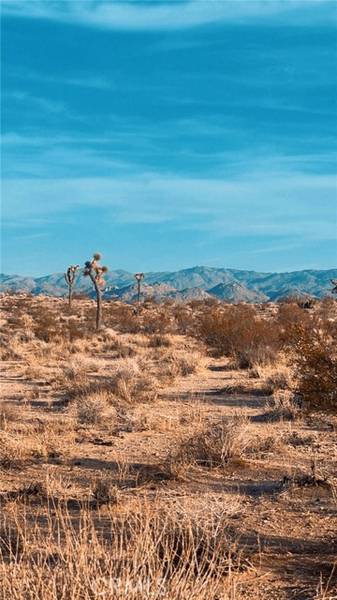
(180, 452)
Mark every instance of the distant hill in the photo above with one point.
(237, 292)
(130, 292)
(198, 282)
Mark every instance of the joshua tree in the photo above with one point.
(334, 283)
(139, 277)
(70, 276)
(93, 269)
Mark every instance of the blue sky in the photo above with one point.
(169, 134)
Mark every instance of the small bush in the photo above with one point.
(8, 413)
(104, 492)
(47, 324)
(92, 409)
(214, 446)
(159, 341)
(174, 364)
(12, 451)
(122, 317)
(278, 376)
(187, 363)
(284, 405)
(237, 332)
(289, 317)
(315, 364)
(131, 383)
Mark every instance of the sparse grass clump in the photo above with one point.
(149, 552)
(128, 383)
(8, 414)
(159, 341)
(177, 363)
(93, 409)
(131, 383)
(104, 492)
(79, 367)
(213, 446)
(284, 405)
(12, 451)
(276, 376)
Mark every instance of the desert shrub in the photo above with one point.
(91, 409)
(237, 332)
(8, 413)
(104, 492)
(46, 324)
(159, 341)
(122, 317)
(284, 405)
(289, 318)
(128, 383)
(315, 362)
(172, 364)
(277, 376)
(131, 383)
(184, 319)
(213, 446)
(157, 321)
(327, 309)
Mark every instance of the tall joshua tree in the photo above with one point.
(70, 276)
(96, 272)
(139, 278)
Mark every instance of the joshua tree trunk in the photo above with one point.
(70, 295)
(96, 272)
(139, 277)
(98, 303)
(70, 277)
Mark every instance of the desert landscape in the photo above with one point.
(183, 450)
(168, 409)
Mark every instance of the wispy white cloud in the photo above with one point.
(171, 15)
(284, 203)
(85, 81)
(59, 156)
(134, 147)
(37, 102)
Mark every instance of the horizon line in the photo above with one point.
(178, 271)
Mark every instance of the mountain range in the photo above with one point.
(198, 283)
